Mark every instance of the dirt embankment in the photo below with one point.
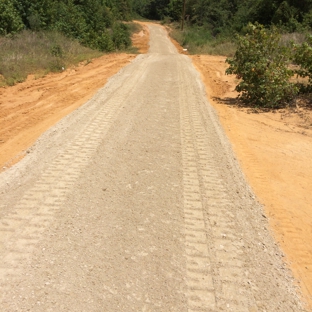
(30, 108)
(274, 150)
(140, 40)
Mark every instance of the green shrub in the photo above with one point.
(10, 21)
(262, 64)
(303, 58)
(104, 42)
(121, 36)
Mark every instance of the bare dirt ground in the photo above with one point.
(274, 150)
(135, 201)
(30, 108)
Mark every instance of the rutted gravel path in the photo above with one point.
(135, 202)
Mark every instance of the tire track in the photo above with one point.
(200, 285)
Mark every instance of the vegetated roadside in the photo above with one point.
(274, 149)
(197, 40)
(42, 52)
(33, 106)
(39, 53)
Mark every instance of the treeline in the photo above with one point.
(95, 23)
(227, 15)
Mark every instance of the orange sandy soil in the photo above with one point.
(274, 149)
(30, 108)
(141, 39)
(275, 153)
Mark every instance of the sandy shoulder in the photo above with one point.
(30, 108)
(274, 150)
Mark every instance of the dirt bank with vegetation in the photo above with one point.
(30, 108)
(274, 149)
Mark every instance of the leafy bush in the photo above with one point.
(121, 36)
(10, 21)
(262, 64)
(303, 58)
(102, 42)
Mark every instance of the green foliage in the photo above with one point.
(102, 42)
(141, 7)
(56, 50)
(197, 36)
(262, 65)
(226, 16)
(10, 21)
(95, 23)
(307, 20)
(303, 57)
(70, 21)
(174, 9)
(153, 9)
(122, 9)
(121, 36)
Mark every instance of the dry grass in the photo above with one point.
(297, 38)
(226, 48)
(38, 53)
(200, 41)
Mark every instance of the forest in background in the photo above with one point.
(211, 25)
(262, 37)
(50, 35)
(95, 23)
(224, 16)
(42, 36)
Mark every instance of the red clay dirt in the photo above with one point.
(274, 149)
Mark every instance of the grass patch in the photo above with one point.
(198, 40)
(134, 27)
(42, 52)
(39, 53)
(297, 38)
